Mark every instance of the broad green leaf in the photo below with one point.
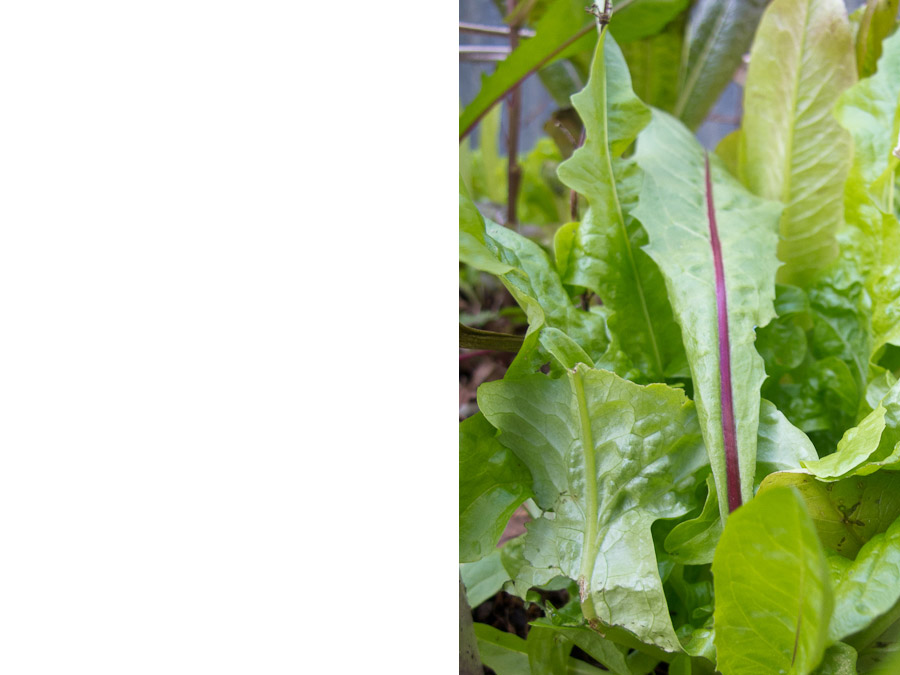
(793, 150)
(781, 447)
(654, 64)
(493, 482)
(507, 654)
(877, 22)
(608, 458)
(868, 587)
(672, 209)
(846, 513)
(773, 594)
(718, 35)
(564, 29)
(483, 579)
(607, 256)
(839, 659)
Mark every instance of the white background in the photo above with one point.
(227, 421)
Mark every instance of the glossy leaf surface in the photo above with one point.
(608, 458)
(773, 594)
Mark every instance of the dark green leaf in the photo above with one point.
(718, 35)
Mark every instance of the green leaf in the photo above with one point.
(472, 248)
(654, 64)
(878, 21)
(507, 654)
(872, 444)
(718, 36)
(526, 271)
(672, 209)
(564, 29)
(548, 650)
(846, 513)
(636, 19)
(593, 644)
(793, 150)
(608, 458)
(492, 485)
(868, 587)
(773, 595)
(839, 659)
(781, 447)
(607, 256)
(483, 579)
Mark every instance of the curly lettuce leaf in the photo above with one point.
(792, 150)
(608, 458)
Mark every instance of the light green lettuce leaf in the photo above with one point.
(483, 578)
(493, 482)
(718, 35)
(868, 587)
(608, 258)
(872, 444)
(673, 210)
(608, 458)
(792, 148)
(773, 592)
(849, 512)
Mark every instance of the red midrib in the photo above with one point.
(729, 435)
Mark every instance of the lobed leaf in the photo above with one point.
(606, 245)
(673, 210)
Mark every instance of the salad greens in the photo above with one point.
(711, 453)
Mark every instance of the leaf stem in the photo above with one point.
(729, 435)
(513, 124)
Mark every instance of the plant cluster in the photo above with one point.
(711, 453)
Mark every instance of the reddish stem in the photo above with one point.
(471, 355)
(729, 435)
